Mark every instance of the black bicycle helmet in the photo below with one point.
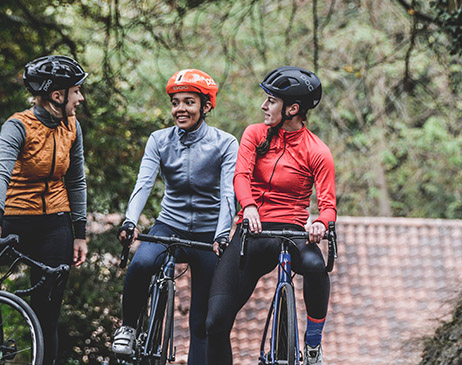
(46, 74)
(294, 85)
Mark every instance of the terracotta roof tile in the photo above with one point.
(395, 279)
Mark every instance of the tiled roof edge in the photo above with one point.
(400, 221)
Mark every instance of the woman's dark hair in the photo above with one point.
(264, 146)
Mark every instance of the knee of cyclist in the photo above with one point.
(313, 264)
(215, 326)
(218, 317)
(141, 267)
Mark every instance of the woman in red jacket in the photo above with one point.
(278, 163)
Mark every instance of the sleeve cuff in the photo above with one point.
(79, 229)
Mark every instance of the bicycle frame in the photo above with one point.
(165, 279)
(284, 276)
(158, 280)
(284, 279)
(25, 338)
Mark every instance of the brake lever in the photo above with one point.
(126, 245)
(223, 243)
(244, 232)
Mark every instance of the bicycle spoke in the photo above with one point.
(21, 336)
(285, 345)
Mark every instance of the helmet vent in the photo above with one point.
(282, 83)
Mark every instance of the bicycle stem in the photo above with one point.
(285, 266)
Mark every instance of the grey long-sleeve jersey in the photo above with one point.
(197, 169)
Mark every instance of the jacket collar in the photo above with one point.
(291, 138)
(46, 118)
(188, 138)
(292, 135)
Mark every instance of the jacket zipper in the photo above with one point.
(52, 170)
(272, 174)
(189, 182)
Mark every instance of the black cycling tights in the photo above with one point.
(48, 239)
(233, 285)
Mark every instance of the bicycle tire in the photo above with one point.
(168, 324)
(147, 329)
(161, 322)
(141, 336)
(21, 338)
(285, 351)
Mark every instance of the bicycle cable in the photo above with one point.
(291, 241)
(166, 250)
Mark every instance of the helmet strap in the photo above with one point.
(62, 105)
(194, 127)
(202, 115)
(284, 115)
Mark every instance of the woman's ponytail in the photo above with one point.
(264, 146)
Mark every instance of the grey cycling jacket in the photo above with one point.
(197, 169)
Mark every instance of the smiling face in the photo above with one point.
(186, 110)
(75, 97)
(272, 107)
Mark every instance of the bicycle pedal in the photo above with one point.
(8, 350)
(125, 359)
(172, 358)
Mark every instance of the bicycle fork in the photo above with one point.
(168, 274)
(284, 276)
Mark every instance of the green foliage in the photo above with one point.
(386, 74)
(24, 27)
(114, 144)
(449, 14)
(390, 112)
(92, 304)
(445, 348)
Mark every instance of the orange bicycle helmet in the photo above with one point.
(193, 80)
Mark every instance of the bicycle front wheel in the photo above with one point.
(168, 324)
(21, 339)
(285, 345)
(161, 325)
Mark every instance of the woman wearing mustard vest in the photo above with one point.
(42, 180)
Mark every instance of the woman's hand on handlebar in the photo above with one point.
(124, 234)
(220, 245)
(316, 231)
(251, 213)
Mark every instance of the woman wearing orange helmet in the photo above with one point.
(196, 163)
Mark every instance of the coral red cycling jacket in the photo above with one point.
(280, 183)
